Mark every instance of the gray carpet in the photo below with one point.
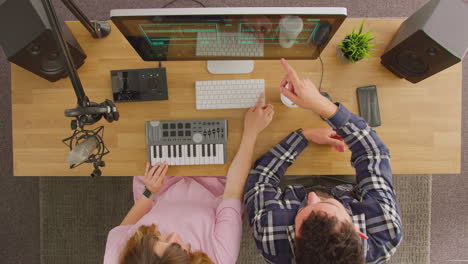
(77, 213)
(19, 230)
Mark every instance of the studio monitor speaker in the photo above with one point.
(27, 40)
(429, 41)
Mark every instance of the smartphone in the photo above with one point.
(369, 105)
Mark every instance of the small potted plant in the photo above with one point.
(355, 46)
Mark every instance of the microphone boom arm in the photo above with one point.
(98, 29)
(82, 99)
(86, 112)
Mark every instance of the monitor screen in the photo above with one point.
(229, 33)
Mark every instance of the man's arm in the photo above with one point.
(271, 212)
(370, 158)
(264, 178)
(377, 199)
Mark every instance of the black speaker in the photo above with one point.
(27, 40)
(429, 41)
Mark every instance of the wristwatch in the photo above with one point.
(299, 131)
(147, 193)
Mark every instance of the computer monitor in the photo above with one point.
(229, 34)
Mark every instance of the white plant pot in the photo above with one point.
(341, 57)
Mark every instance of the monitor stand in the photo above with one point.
(230, 66)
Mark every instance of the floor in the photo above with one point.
(19, 224)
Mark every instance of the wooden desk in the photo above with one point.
(421, 124)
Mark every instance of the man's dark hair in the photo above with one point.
(324, 240)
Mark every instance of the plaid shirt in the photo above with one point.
(371, 202)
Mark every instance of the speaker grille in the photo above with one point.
(52, 64)
(42, 57)
(417, 57)
(410, 63)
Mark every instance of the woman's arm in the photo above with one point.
(155, 178)
(256, 119)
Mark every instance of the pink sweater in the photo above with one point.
(192, 207)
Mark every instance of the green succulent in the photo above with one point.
(356, 46)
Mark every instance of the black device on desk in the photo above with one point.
(369, 105)
(139, 85)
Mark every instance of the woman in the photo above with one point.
(188, 219)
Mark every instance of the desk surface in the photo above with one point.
(421, 123)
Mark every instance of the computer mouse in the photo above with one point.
(286, 100)
(321, 33)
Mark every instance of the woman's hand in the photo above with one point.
(258, 117)
(324, 136)
(155, 177)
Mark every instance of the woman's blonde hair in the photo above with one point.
(140, 250)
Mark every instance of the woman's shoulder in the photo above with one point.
(116, 240)
(119, 230)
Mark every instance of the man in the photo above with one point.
(346, 224)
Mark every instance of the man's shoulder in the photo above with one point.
(281, 218)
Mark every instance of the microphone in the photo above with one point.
(87, 146)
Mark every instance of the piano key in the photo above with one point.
(221, 153)
(165, 154)
(214, 149)
(210, 155)
(199, 156)
(158, 159)
(151, 155)
(153, 152)
(185, 158)
(204, 154)
(194, 154)
(160, 152)
(156, 155)
(179, 155)
(213, 155)
(169, 157)
(174, 155)
(218, 155)
(190, 157)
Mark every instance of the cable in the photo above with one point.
(321, 75)
(173, 1)
(321, 67)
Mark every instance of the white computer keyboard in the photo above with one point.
(228, 44)
(227, 94)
